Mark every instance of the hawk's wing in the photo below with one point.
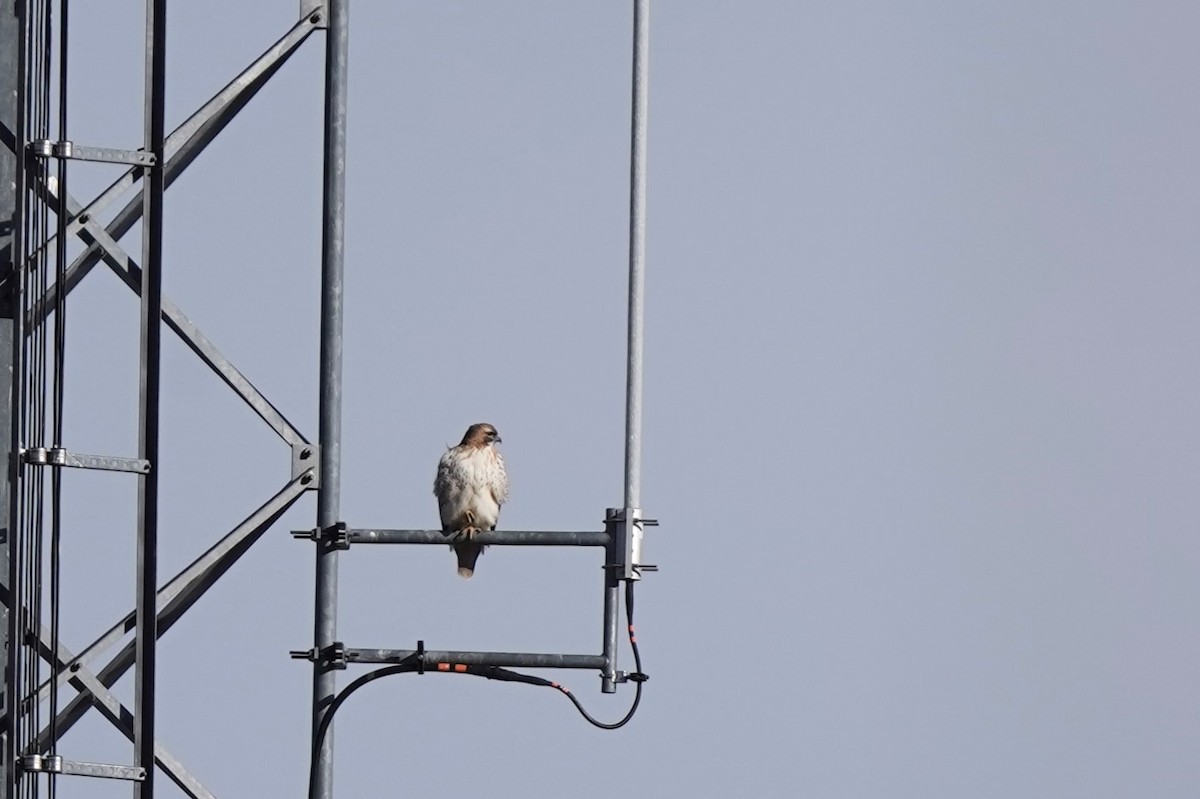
(498, 481)
(450, 486)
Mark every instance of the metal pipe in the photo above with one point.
(330, 413)
(634, 338)
(151, 344)
(612, 600)
(491, 538)
(528, 660)
(637, 255)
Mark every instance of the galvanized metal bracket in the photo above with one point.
(316, 12)
(306, 464)
(331, 657)
(56, 764)
(109, 155)
(42, 764)
(626, 526)
(335, 536)
(47, 148)
(59, 456)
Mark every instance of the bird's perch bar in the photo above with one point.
(512, 538)
(528, 660)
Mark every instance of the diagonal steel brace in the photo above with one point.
(111, 708)
(127, 269)
(183, 146)
(175, 598)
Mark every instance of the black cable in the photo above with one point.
(39, 54)
(636, 677)
(28, 240)
(410, 663)
(415, 662)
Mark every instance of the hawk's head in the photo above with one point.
(480, 435)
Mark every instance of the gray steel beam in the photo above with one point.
(109, 155)
(178, 595)
(435, 659)
(122, 719)
(60, 456)
(13, 96)
(128, 270)
(104, 770)
(224, 369)
(333, 224)
(183, 146)
(537, 538)
(83, 680)
(146, 634)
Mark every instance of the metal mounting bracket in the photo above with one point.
(333, 537)
(332, 656)
(306, 464)
(55, 764)
(47, 148)
(626, 526)
(631, 676)
(316, 12)
(58, 456)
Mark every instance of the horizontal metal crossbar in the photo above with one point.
(57, 456)
(528, 660)
(84, 769)
(517, 538)
(112, 156)
(45, 148)
(55, 764)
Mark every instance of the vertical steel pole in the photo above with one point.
(612, 598)
(633, 372)
(13, 92)
(637, 255)
(330, 423)
(151, 346)
(59, 389)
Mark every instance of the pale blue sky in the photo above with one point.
(921, 393)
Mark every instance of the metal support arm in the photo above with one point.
(517, 538)
(435, 659)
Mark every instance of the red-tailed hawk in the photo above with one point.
(471, 485)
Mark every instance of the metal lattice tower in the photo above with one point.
(38, 214)
(48, 686)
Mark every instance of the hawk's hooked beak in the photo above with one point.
(499, 440)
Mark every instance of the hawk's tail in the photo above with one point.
(468, 553)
